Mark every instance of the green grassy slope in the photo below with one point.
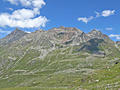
(58, 69)
(107, 78)
(28, 88)
(63, 69)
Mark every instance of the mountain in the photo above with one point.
(62, 58)
(14, 36)
(118, 43)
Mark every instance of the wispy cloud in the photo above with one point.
(108, 28)
(104, 13)
(115, 36)
(28, 3)
(85, 19)
(28, 32)
(11, 9)
(4, 31)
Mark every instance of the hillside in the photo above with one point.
(63, 58)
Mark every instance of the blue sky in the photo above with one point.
(86, 15)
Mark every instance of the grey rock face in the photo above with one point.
(14, 36)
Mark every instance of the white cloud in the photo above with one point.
(8, 20)
(109, 28)
(24, 2)
(24, 18)
(115, 36)
(38, 3)
(104, 13)
(11, 9)
(85, 19)
(22, 14)
(28, 3)
(4, 31)
(13, 1)
(107, 13)
(28, 32)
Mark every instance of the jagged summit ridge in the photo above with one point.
(59, 35)
(95, 33)
(62, 28)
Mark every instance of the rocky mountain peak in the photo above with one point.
(13, 36)
(17, 32)
(66, 29)
(61, 27)
(38, 31)
(95, 32)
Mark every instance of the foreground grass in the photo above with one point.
(105, 79)
(26, 88)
